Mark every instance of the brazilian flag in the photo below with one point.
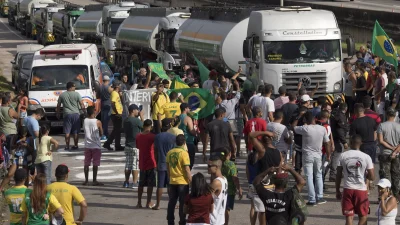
(200, 101)
(382, 46)
(178, 83)
(204, 72)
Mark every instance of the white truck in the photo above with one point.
(44, 23)
(113, 16)
(56, 65)
(291, 44)
(26, 9)
(150, 33)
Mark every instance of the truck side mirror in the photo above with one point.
(246, 49)
(350, 46)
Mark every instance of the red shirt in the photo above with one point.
(255, 124)
(199, 208)
(145, 144)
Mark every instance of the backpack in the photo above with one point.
(299, 210)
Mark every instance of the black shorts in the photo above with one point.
(147, 178)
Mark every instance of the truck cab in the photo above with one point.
(63, 25)
(44, 23)
(4, 8)
(56, 65)
(288, 45)
(31, 30)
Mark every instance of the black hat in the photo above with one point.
(62, 170)
(133, 107)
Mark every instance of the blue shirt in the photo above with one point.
(32, 125)
(163, 142)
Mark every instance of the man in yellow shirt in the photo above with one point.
(170, 109)
(158, 99)
(66, 194)
(178, 168)
(15, 195)
(116, 118)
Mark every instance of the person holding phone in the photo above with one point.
(387, 209)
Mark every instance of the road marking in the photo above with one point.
(101, 166)
(110, 175)
(82, 157)
(12, 30)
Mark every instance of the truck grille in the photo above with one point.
(291, 80)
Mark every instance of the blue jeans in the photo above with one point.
(105, 118)
(45, 167)
(313, 167)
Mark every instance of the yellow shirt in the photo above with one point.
(162, 99)
(66, 194)
(118, 104)
(177, 159)
(44, 148)
(14, 198)
(171, 109)
(52, 207)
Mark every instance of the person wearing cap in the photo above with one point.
(282, 99)
(389, 140)
(147, 163)
(278, 202)
(116, 118)
(313, 137)
(132, 126)
(187, 126)
(66, 194)
(266, 103)
(387, 209)
(15, 195)
(105, 91)
(93, 131)
(354, 167)
(72, 102)
(163, 143)
(158, 99)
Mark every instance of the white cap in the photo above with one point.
(106, 77)
(305, 98)
(384, 183)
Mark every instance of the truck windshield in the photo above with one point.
(308, 51)
(56, 77)
(114, 25)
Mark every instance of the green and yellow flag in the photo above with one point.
(158, 68)
(200, 101)
(204, 72)
(382, 46)
(178, 83)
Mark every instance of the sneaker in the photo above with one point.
(135, 185)
(108, 147)
(103, 138)
(126, 184)
(321, 201)
(311, 203)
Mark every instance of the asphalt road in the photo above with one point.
(381, 5)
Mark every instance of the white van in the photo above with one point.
(56, 65)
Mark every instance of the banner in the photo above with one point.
(158, 68)
(141, 98)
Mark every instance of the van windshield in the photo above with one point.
(308, 51)
(56, 77)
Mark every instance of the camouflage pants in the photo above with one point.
(390, 169)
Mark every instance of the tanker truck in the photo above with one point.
(63, 25)
(31, 30)
(150, 33)
(113, 16)
(288, 45)
(44, 23)
(4, 8)
(12, 12)
(24, 14)
(88, 26)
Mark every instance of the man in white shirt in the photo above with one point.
(354, 164)
(282, 138)
(266, 103)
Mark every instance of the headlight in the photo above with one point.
(337, 86)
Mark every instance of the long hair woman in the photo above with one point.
(387, 209)
(44, 156)
(38, 204)
(199, 203)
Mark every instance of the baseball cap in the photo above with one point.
(306, 98)
(166, 123)
(133, 107)
(371, 61)
(62, 170)
(384, 183)
(106, 77)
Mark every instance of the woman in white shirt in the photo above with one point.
(387, 209)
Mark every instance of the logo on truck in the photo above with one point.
(303, 32)
(306, 80)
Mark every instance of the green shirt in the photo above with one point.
(132, 126)
(7, 125)
(70, 101)
(14, 197)
(229, 171)
(189, 137)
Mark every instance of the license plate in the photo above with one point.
(56, 124)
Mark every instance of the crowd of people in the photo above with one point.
(290, 134)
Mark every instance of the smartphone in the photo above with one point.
(140, 108)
